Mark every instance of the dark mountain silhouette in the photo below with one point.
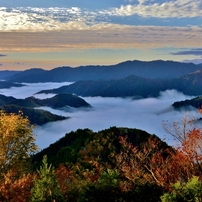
(151, 70)
(7, 84)
(35, 116)
(38, 116)
(25, 76)
(7, 73)
(190, 84)
(186, 104)
(57, 101)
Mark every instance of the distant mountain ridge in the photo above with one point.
(151, 70)
(190, 84)
(7, 73)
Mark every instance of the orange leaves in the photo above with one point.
(17, 191)
(153, 162)
(200, 110)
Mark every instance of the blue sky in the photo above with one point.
(52, 33)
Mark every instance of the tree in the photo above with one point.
(46, 187)
(17, 144)
(189, 143)
(17, 191)
(189, 191)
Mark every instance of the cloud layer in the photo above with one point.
(64, 18)
(108, 36)
(146, 114)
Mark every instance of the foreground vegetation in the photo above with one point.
(117, 164)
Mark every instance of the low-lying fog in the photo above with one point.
(146, 114)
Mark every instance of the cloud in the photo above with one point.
(195, 61)
(2, 55)
(102, 36)
(167, 9)
(31, 88)
(61, 18)
(146, 114)
(196, 51)
(46, 19)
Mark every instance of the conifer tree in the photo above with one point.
(46, 187)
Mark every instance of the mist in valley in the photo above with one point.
(146, 114)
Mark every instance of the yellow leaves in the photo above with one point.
(17, 142)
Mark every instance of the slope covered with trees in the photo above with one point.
(7, 84)
(38, 116)
(116, 164)
(195, 102)
(190, 84)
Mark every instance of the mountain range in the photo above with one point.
(133, 86)
(151, 70)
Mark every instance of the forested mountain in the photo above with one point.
(7, 84)
(190, 84)
(195, 102)
(57, 101)
(38, 116)
(152, 70)
(66, 150)
(7, 73)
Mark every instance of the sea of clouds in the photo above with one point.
(146, 114)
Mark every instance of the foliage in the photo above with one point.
(185, 191)
(64, 150)
(188, 143)
(84, 144)
(17, 144)
(46, 187)
(18, 190)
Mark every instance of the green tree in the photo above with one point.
(46, 187)
(190, 191)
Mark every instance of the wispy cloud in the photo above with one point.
(195, 51)
(102, 36)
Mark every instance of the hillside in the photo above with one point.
(195, 102)
(109, 165)
(7, 84)
(35, 116)
(38, 116)
(7, 73)
(56, 101)
(190, 84)
(66, 150)
(151, 70)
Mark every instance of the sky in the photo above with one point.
(52, 33)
